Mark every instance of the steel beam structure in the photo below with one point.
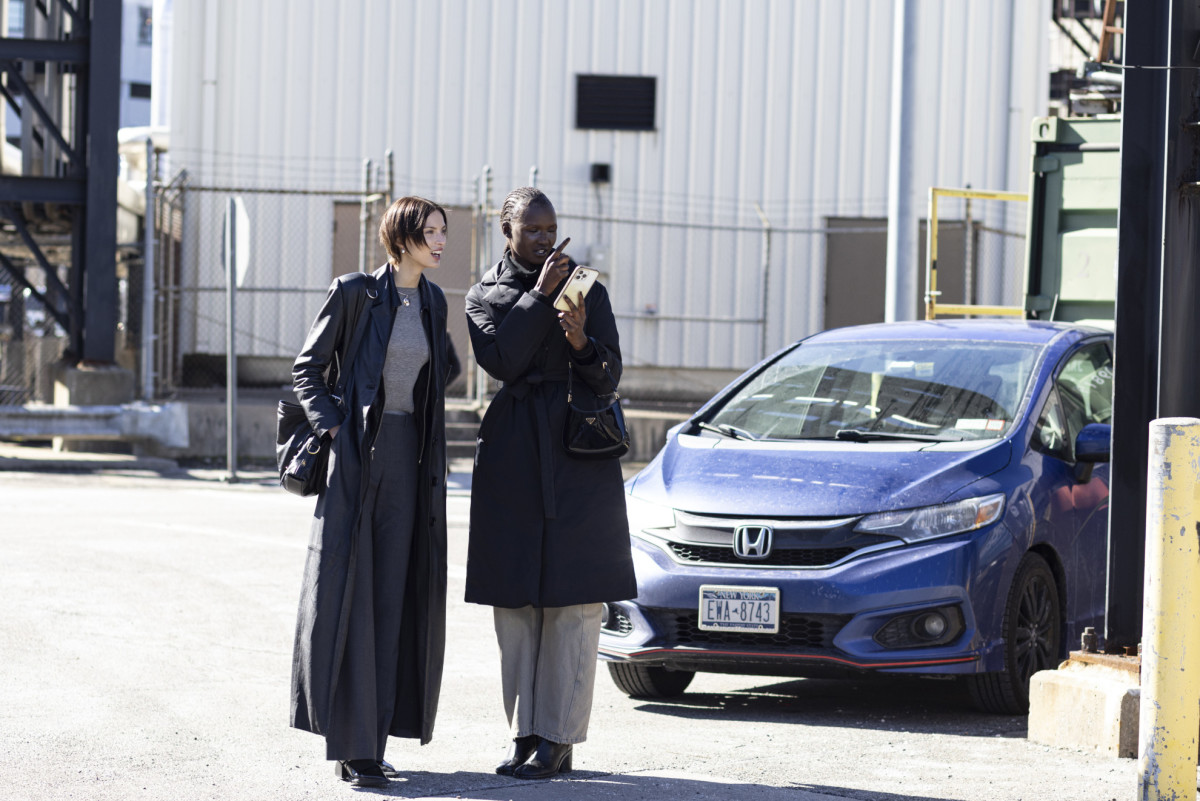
(1158, 283)
(86, 173)
(97, 265)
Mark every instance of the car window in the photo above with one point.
(1086, 385)
(1050, 433)
(958, 389)
(1082, 394)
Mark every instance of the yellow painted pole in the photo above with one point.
(1170, 703)
(931, 257)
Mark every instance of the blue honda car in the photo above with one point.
(925, 497)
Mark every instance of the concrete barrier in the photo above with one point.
(165, 423)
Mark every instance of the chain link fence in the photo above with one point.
(690, 295)
(298, 241)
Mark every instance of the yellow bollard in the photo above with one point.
(1170, 706)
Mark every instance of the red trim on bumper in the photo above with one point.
(816, 657)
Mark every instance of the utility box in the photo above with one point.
(1071, 250)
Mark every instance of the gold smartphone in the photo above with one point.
(577, 283)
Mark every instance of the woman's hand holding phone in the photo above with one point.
(554, 271)
(573, 322)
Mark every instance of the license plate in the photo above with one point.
(752, 609)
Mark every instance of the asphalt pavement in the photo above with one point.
(146, 637)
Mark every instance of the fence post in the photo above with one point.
(485, 226)
(364, 217)
(1170, 702)
(969, 255)
(391, 175)
(766, 278)
(148, 279)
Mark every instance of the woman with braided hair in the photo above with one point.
(549, 539)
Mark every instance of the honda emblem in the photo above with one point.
(752, 542)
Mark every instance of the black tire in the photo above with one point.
(641, 681)
(1032, 640)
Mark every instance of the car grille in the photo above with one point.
(791, 543)
(618, 624)
(781, 557)
(796, 631)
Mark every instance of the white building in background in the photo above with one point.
(137, 39)
(739, 113)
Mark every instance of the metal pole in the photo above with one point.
(485, 204)
(533, 176)
(901, 278)
(230, 344)
(766, 279)
(969, 255)
(1170, 702)
(389, 157)
(931, 257)
(1144, 133)
(148, 279)
(364, 217)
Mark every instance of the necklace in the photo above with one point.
(403, 298)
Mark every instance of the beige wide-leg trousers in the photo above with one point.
(548, 669)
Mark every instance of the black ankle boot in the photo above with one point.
(550, 759)
(520, 750)
(361, 773)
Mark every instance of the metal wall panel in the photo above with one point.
(769, 103)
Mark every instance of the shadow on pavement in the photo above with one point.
(885, 703)
(586, 785)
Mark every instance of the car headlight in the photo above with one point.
(916, 525)
(646, 517)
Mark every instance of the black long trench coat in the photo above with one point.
(547, 529)
(328, 582)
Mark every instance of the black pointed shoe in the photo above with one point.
(387, 769)
(521, 749)
(361, 773)
(550, 759)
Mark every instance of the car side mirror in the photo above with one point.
(1092, 444)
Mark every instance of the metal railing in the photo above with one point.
(933, 304)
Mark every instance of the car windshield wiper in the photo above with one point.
(729, 431)
(859, 435)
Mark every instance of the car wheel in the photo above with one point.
(1032, 640)
(641, 681)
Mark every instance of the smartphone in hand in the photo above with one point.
(578, 283)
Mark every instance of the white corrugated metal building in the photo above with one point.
(779, 104)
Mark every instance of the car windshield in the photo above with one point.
(940, 390)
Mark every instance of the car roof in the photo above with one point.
(1032, 331)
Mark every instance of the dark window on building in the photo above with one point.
(145, 25)
(614, 102)
(140, 90)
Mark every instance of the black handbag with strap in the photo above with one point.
(301, 454)
(595, 430)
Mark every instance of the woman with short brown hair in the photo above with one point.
(370, 634)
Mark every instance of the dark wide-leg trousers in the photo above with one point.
(365, 696)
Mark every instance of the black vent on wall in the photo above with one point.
(614, 102)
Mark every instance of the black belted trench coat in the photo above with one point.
(546, 529)
(327, 587)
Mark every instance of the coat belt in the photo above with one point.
(521, 389)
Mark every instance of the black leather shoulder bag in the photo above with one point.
(595, 430)
(301, 455)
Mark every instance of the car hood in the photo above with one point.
(713, 476)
